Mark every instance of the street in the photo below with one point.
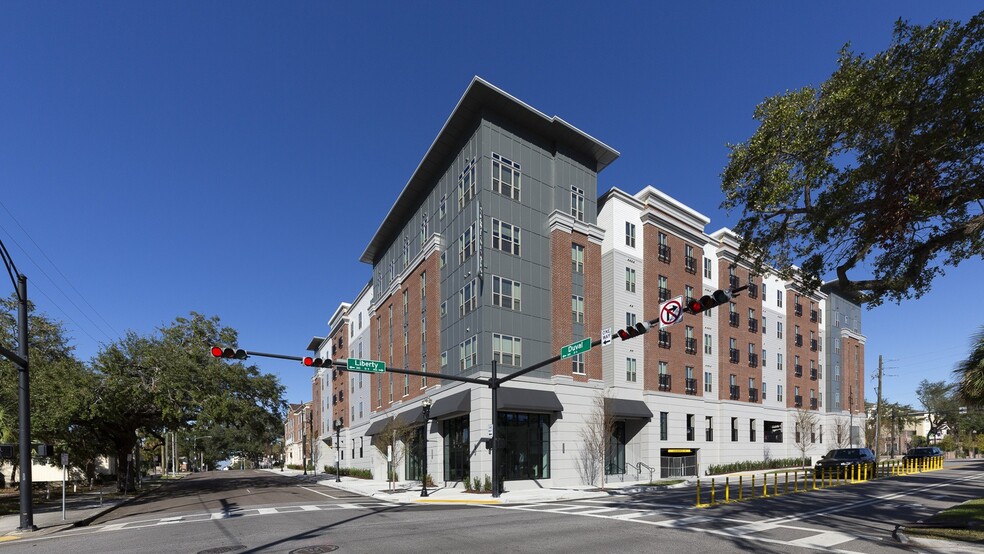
(250, 511)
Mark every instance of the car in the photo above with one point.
(923, 452)
(840, 461)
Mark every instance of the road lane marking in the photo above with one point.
(318, 492)
(825, 539)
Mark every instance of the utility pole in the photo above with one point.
(878, 409)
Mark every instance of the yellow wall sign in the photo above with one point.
(679, 450)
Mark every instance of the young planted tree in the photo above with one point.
(805, 422)
(396, 439)
(597, 435)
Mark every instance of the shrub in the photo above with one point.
(468, 485)
(350, 472)
(477, 484)
(751, 465)
(487, 486)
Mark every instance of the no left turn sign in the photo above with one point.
(671, 312)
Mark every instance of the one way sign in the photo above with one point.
(670, 312)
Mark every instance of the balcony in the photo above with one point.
(690, 264)
(798, 401)
(753, 395)
(753, 359)
(813, 345)
(753, 325)
(664, 339)
(690, 386)
(733, 355)
(814, 316)
(753, 290)
(734, 319)
(690, 344)
(798, 340)
(664, 381)
(813, 403)
(664, 253)
(735, 392)
(798, 309)
(709, 434)
(813, 374)
(664, 294)
(798, 371)
(733, 281)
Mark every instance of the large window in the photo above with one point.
(577, 308)
(525, 445)
(415, 454)
(630, 279)
(577, 203)
(507, 350)
(506, 293)
(505, 177)
(456, 449)
(615, 453)
(630, 370)
(505, 237)
(468, 298)
(466, 244)
(466, 185)
(630, 234)
(468, 353)
(577, 258)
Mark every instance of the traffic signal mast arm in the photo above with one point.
(712, 300)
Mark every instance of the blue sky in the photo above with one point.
(235, 158)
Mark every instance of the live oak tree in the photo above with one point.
(875, 175)
(940, 403)
(971, 372)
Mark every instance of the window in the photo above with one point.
(709, 428)
(707, 381)
(779, 393)
(630, 279)
(779, 365)
(424, 229)
(466, 185)
(707, 343)
(615, 453)
(505, 293)
(468, 353)
(466, 244)
(690, 427)
(688, 294)
(630, 370)
(507, 350)
(577, 203)
(630, 232)
(505, 177)
(779, 329)
(664, 291)
(577, 364)
(751, 422)
(444, 258)
(406, 385)
(505, 237)
(689, 261)
(779, 297)
(443, 209)
(577, 308)
(444, 309)
(734, 429)
(468, 298)
(664, 425)
(577, 258)
(444, 360)
(663, 249)
(456, 448)
(707, 268)
(630, 319)
(525, 439)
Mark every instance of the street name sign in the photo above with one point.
(365, 366)
(575, 348)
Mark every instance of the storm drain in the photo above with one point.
(317, 549)
(223, 549)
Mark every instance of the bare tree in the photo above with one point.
(598, 436)
(842, 433)
(390, 439)
(805, 422)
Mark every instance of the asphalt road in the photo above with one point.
(264, 512)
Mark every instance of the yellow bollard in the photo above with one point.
(740, 489)
(775, 484)
(814, 480)
(712, 491)
(727, 490)
(785, 487)
(753, 486)
(698, 492)
(765, 485)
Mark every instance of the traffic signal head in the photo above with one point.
(709, 301)
(237, 353)
(633, 331)
(316, 362)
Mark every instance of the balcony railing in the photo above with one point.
(690, 386)
(664, 339)
(690, 264)
(733, 281)
(733, 355)
(813, 345)
(813, 374)
(798, 371)
(753, 359)
(798, 309)
(690, 344)
(664, 294)
(798, 340)
(798, 401)
(664, 381)
(813, 403)
(735, 392)
(753, 325)
(709, 434)
(814, 316)
(734, 319)
(753, 395)
(664, 253)
(753, 290)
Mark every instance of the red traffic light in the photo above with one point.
(237, 353)
(633, 331)
(316, 362)
(696, 306)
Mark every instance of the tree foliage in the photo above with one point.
(970, 372)
(940, 403)
(877, 170)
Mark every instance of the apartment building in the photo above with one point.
(500, 250)
(296, 434)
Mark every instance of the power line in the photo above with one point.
(55, 304)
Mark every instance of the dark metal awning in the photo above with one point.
(410, 417)
(456, 404)
(528, 400)
(628, 408)
(376, 426)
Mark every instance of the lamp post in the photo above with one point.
(194, 450)
(426, 405)
(338, 452)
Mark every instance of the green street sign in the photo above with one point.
(575, 348)
(367, 366)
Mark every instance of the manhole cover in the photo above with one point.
(317, 549)
(222, 549)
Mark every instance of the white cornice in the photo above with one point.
(562, 221)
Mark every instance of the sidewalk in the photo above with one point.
(48, 517)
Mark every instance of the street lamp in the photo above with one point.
(194, 449)
(338, 451)
(426, 404)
